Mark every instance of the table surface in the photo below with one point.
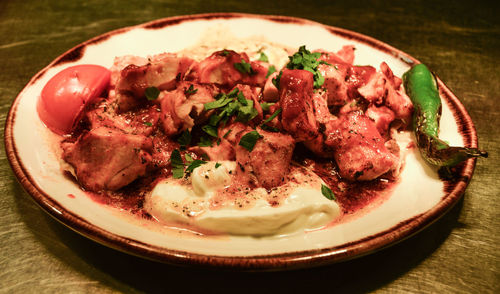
(457, 254)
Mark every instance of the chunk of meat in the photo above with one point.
(326, 124)
(162, 150)
(162, 72)
(217, 152)
(382, 117)
(120, 62)
(141, 122)
(360, 152)
(396, 98)
(268, 163)
(228, 68)
(254, 94)
(180, 109)
(297, 115)
(335, 82)
(107, 159)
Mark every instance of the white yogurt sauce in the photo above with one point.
(189, 202)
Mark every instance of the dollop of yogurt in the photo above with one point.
(301, 205)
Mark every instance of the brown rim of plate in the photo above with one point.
(298, 259)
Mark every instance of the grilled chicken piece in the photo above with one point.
(163, 72)
(326, 125)
(382, 117)
(181, 109)
(141, 122)
(228, 68)
(268, 163)
(107, 159)
(360, 152)
(229, 137)
(297, 115)
(396, 99)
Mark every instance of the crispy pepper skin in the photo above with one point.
(421, 87)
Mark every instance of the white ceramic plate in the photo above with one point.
(418, 200)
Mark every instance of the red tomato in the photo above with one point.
(64, 97)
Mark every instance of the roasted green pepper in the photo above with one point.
(421, 87)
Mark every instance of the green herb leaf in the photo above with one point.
(184, 139)
(227, 133)
(249, 140)
(327, 192)
(205, 142)
(151, 93)
(177, 164)
(191, 90)
(188, 157)
(263, 57)
(217, 165)
(244, 67)
(270, 70)
(266, 105)
(304, 59)
(275, 114)
(149, 124)
(276, 80)
(196, 163)
(224, 52)
(217, 103)
(211, 130)
(269, 128)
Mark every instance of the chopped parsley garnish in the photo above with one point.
(184, 139)
(263, 57)
(244, 67)
(327, 192)
(270, 70)
(227, 105)
(217, 103)
(210, 130)
(304, 59)
(194, 164)
(275, 114)
(227, 133)
(177, 164)
(224, 52)
(266, 105)
(205, 142)
(249, 140)
(276, 80)
(149, 124)
(151, 93)
(217, 165)
(191, 90)
(179, 169)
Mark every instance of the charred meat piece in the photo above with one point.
(267, 165)
(297, 116)
(228, 68)
(182, 108)
(140, 122)
(396, 98)
(163, 72)
(360, 152)
(107, 159)
(382, 117)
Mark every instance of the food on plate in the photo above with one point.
(64, 97)
(234, 142)
(422, 89)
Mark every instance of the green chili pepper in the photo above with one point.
(421, 87)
